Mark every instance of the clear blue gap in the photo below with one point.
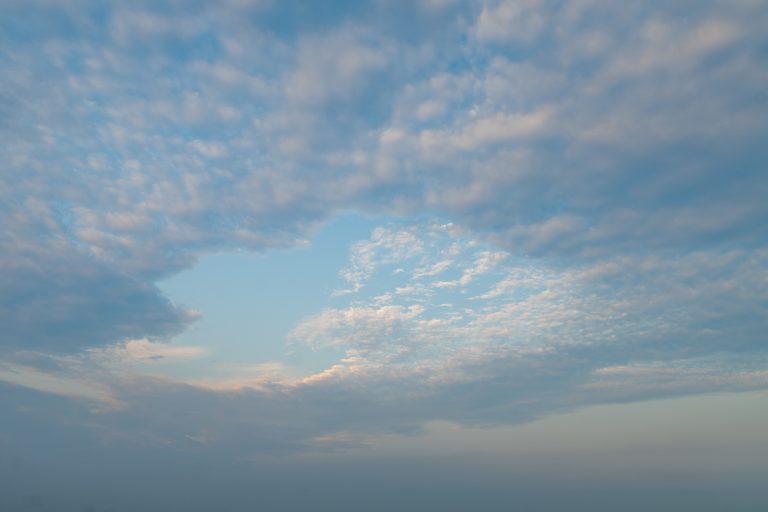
(249, 302)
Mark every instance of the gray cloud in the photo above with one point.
(63, 468)
(65, 301)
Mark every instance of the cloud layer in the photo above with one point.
(599, 170)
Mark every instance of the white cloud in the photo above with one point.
(334, 68)
(484, 263)
(511, 20)
(384, 247)
(73, 387)
(432, 270)
(525, 307)
(362, 328)
(146, 351)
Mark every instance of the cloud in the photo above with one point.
(600, 169)
(144, 350)
(384, 247)
(505, 318)
(61, 300)
(500, 142)
(334, 69)
(526, 340)
(510, 20)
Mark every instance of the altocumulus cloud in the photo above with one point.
(601, 166)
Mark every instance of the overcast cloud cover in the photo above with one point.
(574, 211)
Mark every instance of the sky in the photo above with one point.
(383, 255)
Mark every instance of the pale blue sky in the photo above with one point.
(401, 239)
(254, 300)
